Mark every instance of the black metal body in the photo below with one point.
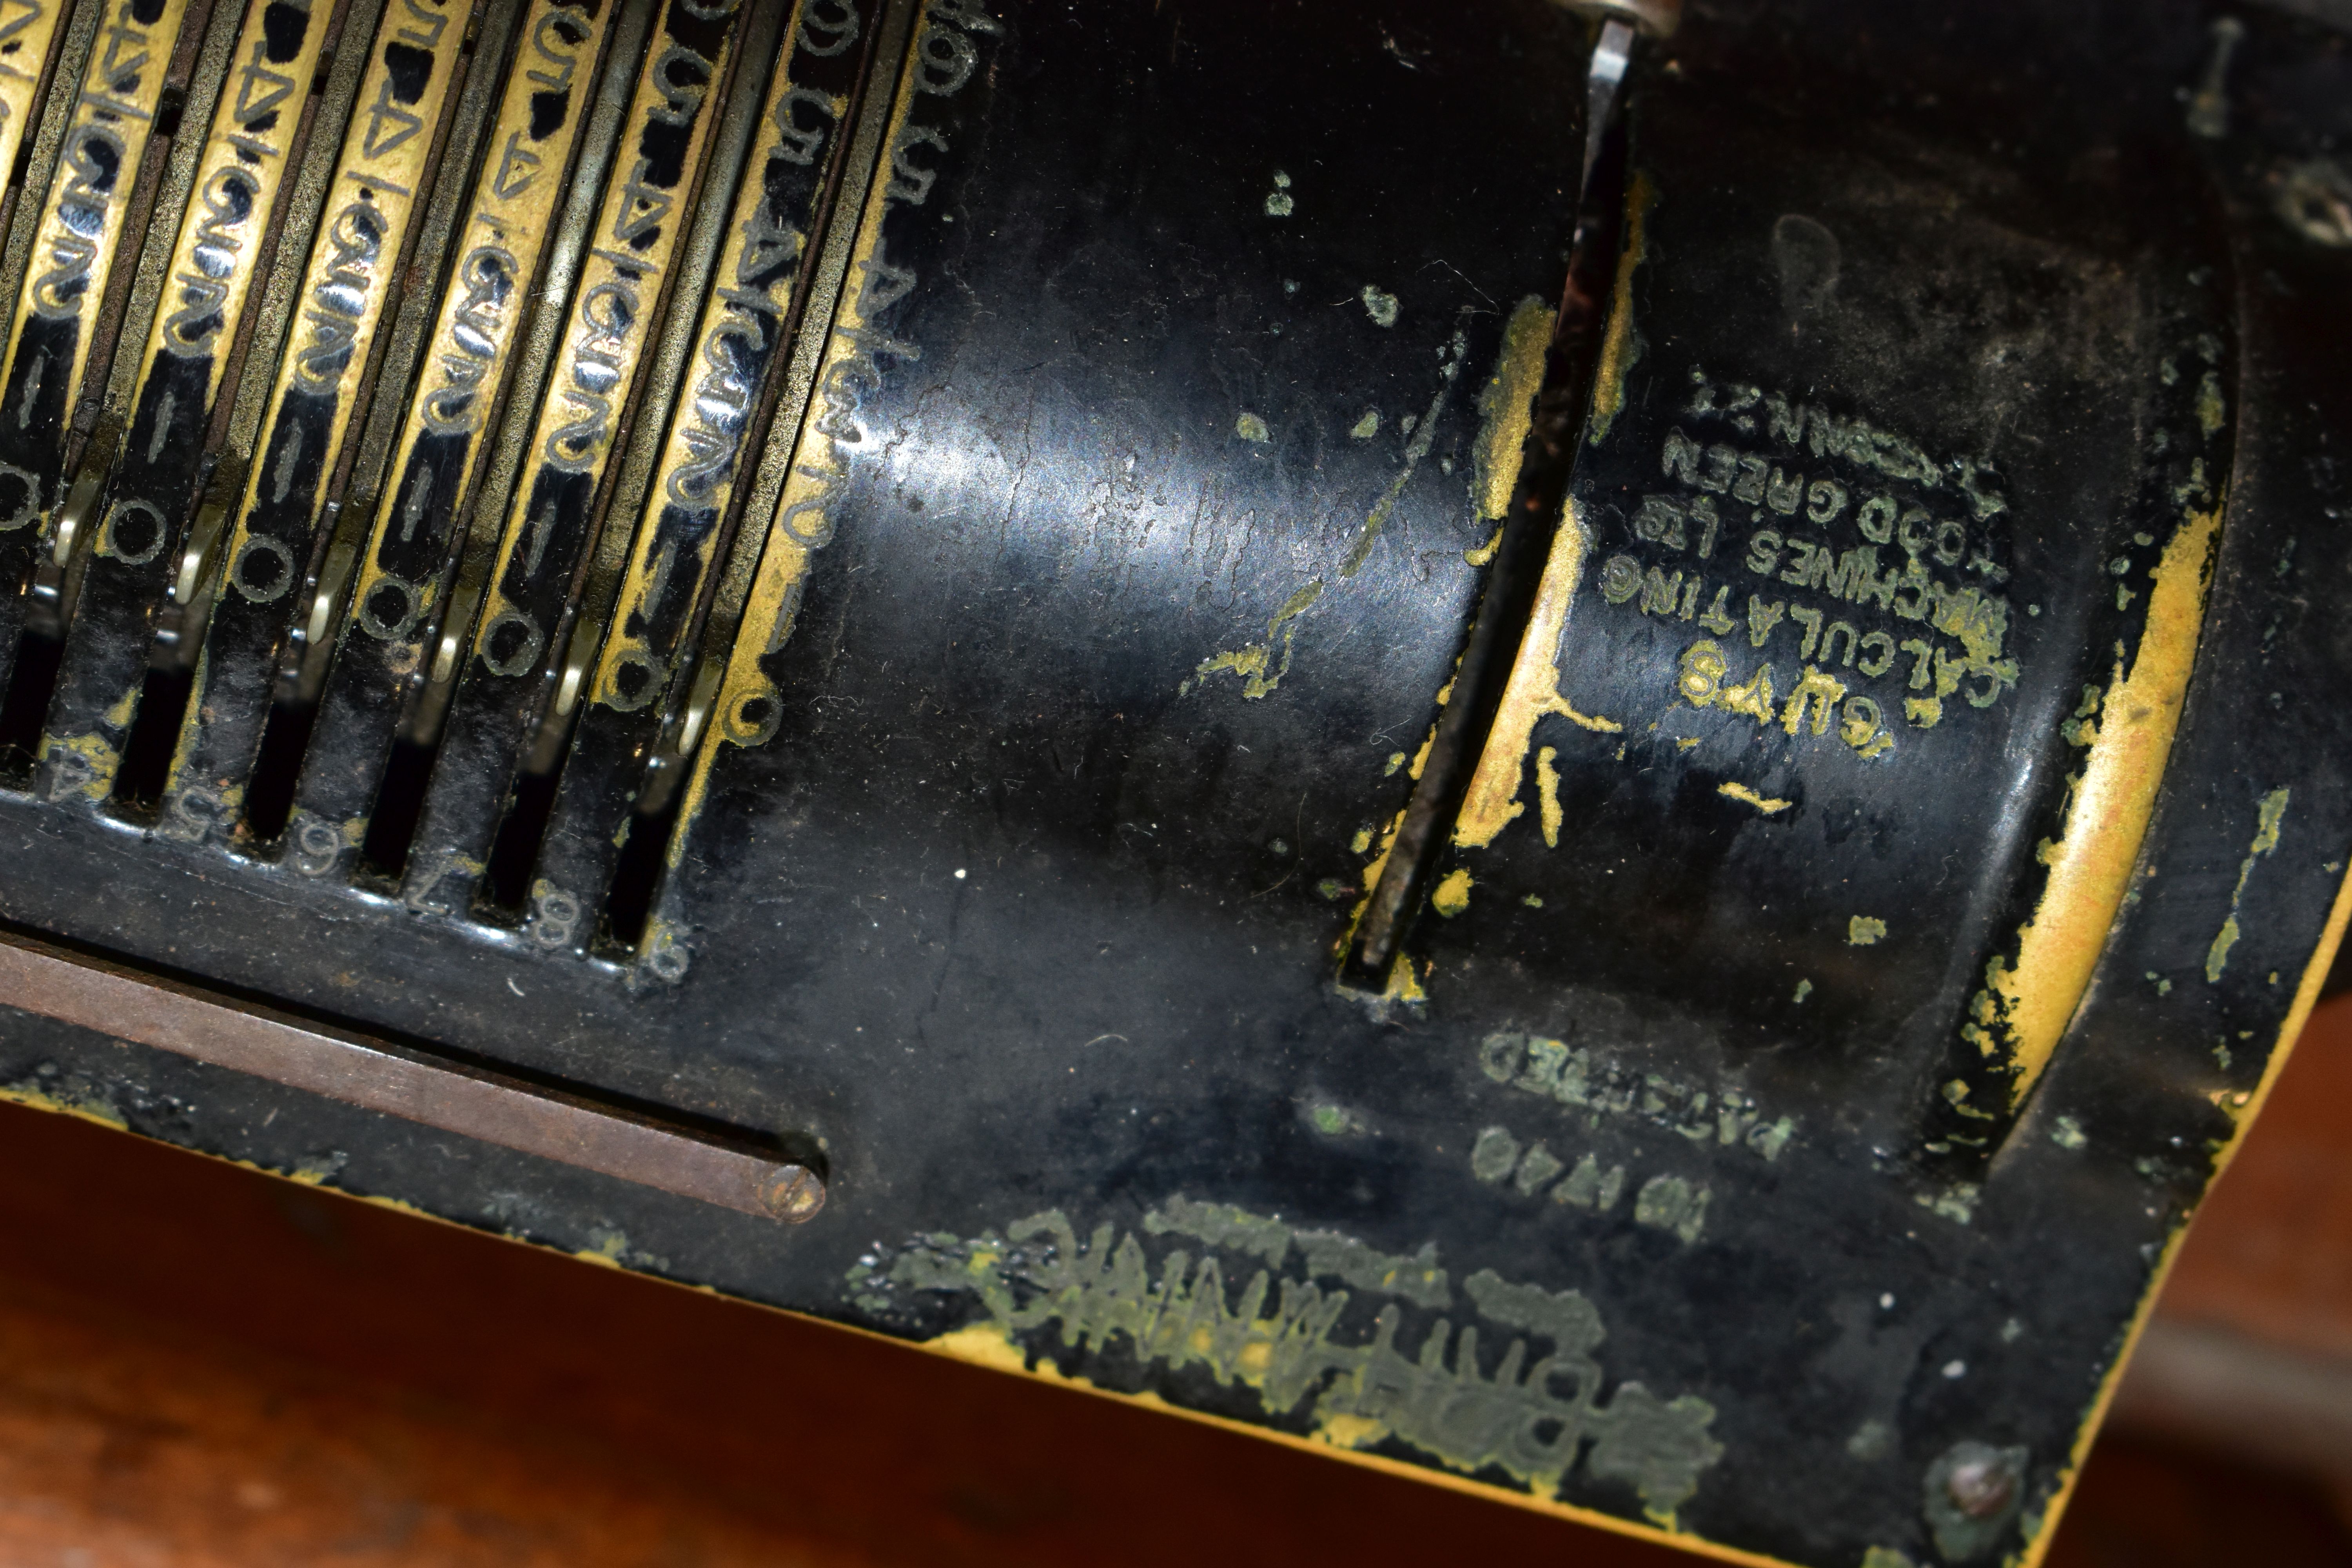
(1122, 557)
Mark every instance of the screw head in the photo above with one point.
(2315, 198)
(1982, 1488)
(792, 1193)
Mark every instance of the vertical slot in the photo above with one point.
(147, 754)
(506, 884)
(399, 801)
(26, 704)
(637, 872)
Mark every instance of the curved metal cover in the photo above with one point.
(1912, 828)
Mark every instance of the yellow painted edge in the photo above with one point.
(1618, 347)
(1508, 406)
(1533, 691)
(2306, 996)
(34, 1099)
(2107, 819)
(989, 1348)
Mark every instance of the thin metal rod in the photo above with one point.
(1611, 54)
(497, 1110)
(1505, 608)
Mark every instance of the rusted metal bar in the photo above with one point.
(497, 1110)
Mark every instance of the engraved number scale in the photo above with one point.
(615, 314)
(758, 601)
(54, 363)
(681, 531)
(191, 357)
(511, 218)
(315, 406)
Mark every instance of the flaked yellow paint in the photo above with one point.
(1533, 691)
(2243, 1109)
(1351, 1431)
(1770, 805)
(1547, 796)
(1403, 984)
(608, 1253)
(1452, 895)
(103, 760)
(1372, 872)
(2266, 838)
(1620, 347)
(992, 1347)
(1404, 981)
(2032, 999)
(1255, 663)
(93, 1111)
(1421, 757)
(1341, 1437)
(1507, 410)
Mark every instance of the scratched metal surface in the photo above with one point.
(1144, 501)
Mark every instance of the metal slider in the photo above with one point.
(180, 618)
(494, 1109)
(1505, 610)
(53, 591)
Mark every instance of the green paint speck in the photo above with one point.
(2209, 404)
